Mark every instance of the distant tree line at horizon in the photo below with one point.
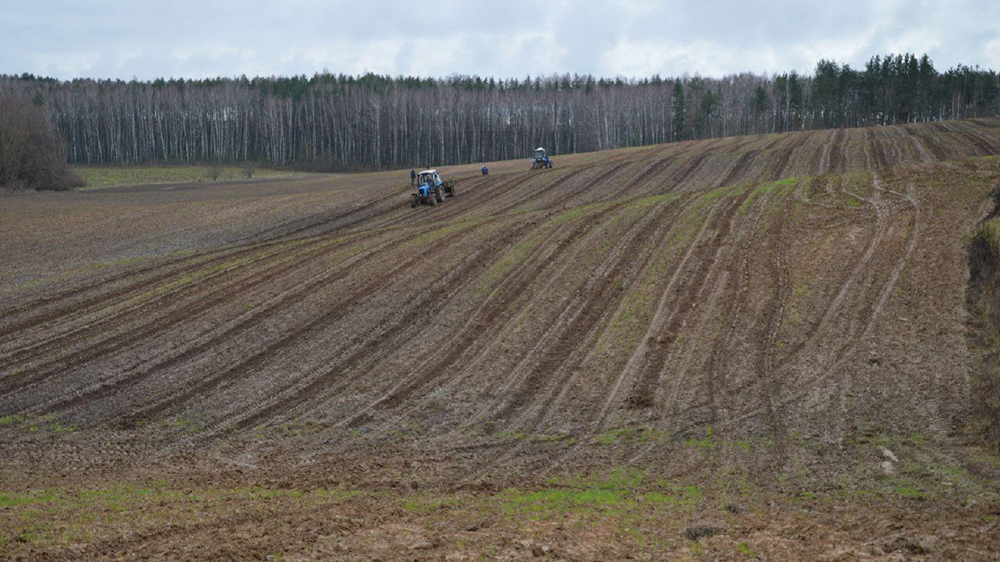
(339, 122)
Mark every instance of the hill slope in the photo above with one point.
(781, 296)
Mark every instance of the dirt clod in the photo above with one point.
(906, 545)
(698, 532)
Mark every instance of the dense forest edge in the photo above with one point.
(335, 122)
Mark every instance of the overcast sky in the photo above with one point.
(502, 38)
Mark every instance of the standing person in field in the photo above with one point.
(413, 177)
(485, 171)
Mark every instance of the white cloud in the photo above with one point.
(197, 38)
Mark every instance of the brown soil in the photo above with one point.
(763, 336)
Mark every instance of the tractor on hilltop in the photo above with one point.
(431, 189)
(541, 159)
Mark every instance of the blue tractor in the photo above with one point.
(540, 160)
(430, 189)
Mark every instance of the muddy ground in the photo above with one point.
(741, 348)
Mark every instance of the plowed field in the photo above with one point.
(763, 334)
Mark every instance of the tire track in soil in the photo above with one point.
(325, 218)
(879, 231)
(846, 351)
(102, 283)
(714, 374)
(925, 154)
(901, 142)
(428, 306)
(528, 400)
(771, 379)
(485, 349)
(717, 367)
(877, 159)
(93, 304)
(688, 168)
(657, 322)
(983, 147)
(288, 340)
(647, 261)
(189, 312)
(207, 292)
(642, 395)
(832, 161)
(555, 185)
(931, 143)
(241, 325)
(986, 123)
(97, 303)
(660, 161)
(557, 329)
(607, 177)
(499, 303)
(824, 159)
(881, 211)
(680, 358)
(781, 163)
(738, 169)
(636, 249)
(513, 186)
(598, 422)
(315, 250)
(811, 159)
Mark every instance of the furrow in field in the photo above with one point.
(661, 337)
(246, 323)
(129, 324)
(497, 306)
(98, 302)
(454, 281)
(516, 310)
(285, 341)
(558, 368)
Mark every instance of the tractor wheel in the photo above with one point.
(430, 200)
(438, 196)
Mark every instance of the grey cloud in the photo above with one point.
(191, 38)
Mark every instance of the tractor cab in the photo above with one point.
(541, 159)
(428, 181)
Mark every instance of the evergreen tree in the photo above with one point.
(759, 107)
(679, 112)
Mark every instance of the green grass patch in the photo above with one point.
(632, 435)
(627, 494)
(11, 420)
(423, 505)
(706, 443)
(45, 424)
(989, 235)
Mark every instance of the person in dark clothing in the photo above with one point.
(413, 177)
(485, 171)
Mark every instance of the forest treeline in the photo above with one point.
(339, 122)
